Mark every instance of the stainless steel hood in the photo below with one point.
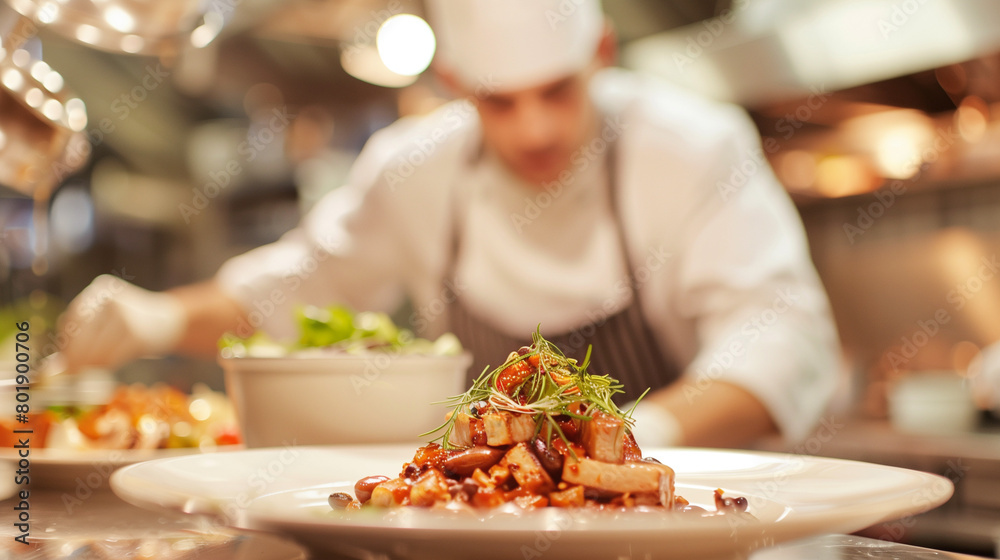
(764, 51)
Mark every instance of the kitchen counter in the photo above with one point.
(104, 527)
(969, 521)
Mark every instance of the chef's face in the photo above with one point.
(536, 130)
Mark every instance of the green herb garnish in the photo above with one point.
(542, 381)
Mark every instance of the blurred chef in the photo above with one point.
(613, 210)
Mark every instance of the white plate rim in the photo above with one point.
(139, 483)
(55, 457)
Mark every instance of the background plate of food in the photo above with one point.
(83, 431)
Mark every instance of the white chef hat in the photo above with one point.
(514, 44)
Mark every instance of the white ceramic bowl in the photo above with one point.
(339, 399)
(932, 402)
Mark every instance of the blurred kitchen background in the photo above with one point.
(153, 140)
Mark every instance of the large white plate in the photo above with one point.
(285, 491)
(86, 470)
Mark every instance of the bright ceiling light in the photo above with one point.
(207, 31)
(39, 70)
(119, 19)
(406, 44)
(88, 34)
(132, 43)
(48, 13)
(34, 98)
(52, 109)
(53, 82)
(13, 79)
(365, 64)
(76, 114)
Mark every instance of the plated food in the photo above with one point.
(135, 417)
(538, 431)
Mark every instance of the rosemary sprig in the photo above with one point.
(539, 393)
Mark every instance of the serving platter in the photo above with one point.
(89, 469)
(285, 490)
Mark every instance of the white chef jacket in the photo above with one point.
(727, 284)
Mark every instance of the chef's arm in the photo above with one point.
(712, 413)
(210, 313)
(766, 354)
(114, 321)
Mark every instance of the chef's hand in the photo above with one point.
(703, 413)
(112, 322)
(654, 425)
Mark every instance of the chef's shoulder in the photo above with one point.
(417, 150)
(668, 118)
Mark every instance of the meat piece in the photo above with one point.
(527, 470)
(499, 474)
(488, 498)
(635, 478)
(461, 431)
(430, 456)
(430, 488)
(522, 427)
(505, 428)
(390, 493)
(604, 437)
(531, 501)
(570, 497)
(497, 426)
(632, 451)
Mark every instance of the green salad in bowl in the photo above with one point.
(348, 378)
(338, 329)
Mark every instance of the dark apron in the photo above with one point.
(624, 346)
